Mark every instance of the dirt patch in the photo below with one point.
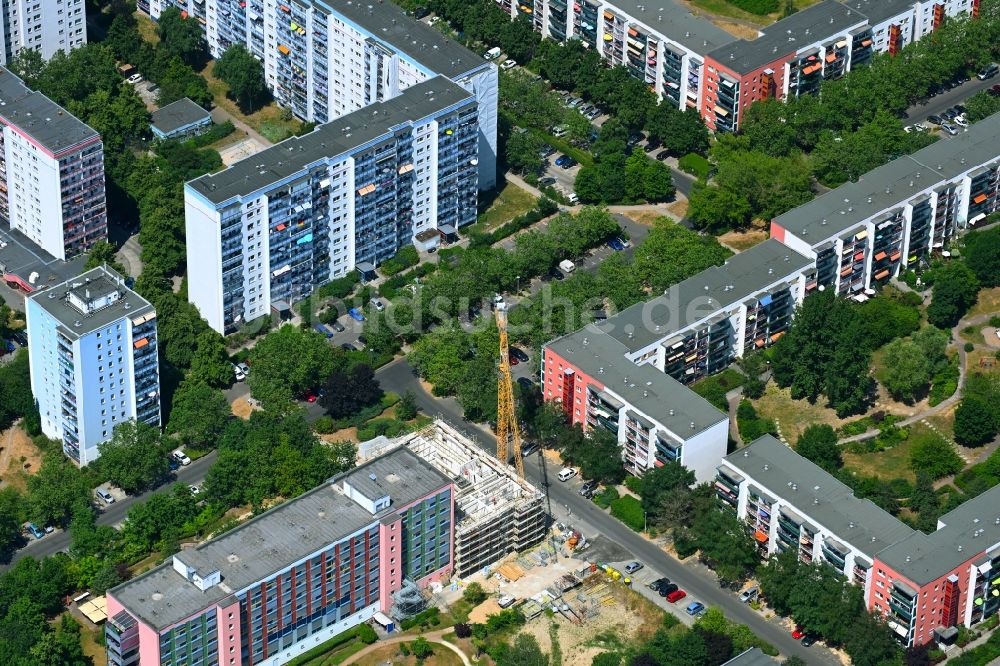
(345, 435)
(391, 653)
(644, 217)
(736, 29)
(242, 408)
(19, 457)
(987, 303)
(484, 610)
(679, 208)
(738, 241)
(991, 336)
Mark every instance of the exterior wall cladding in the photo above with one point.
(629, 373)
(923, 584)
(323, 61)
(691, 63)
(310, 209)
(293, 577)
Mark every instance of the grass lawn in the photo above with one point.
(727, 9)
(984, 362)
(91, 647)
(714, 388)
(973, 334)
(988, 303)
(147, 28)
(794, 416)
(739, 241)
(508, 204)
(268, 120)
(892, 463)
(390, 654)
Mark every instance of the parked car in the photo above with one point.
(988, 72)
(529, 448)
(556, 274)
(547, 180)
(20, 337)
(588, 488)
(181, 457)
(337, 326)
(512, 359)
(995, 90)
(35, 532)
(506, 600)
(667, 589)
(323, 330)
(309, 395)
(950, 129)
(632, 567)
(493, 53)
(749, 594)
(658, 583)
(508, 64)
(105, 496)
(662, 155)
(695, 608)
(676, 596)
(134, 79)
(240, 375)
(194, 489)
(563, 161)
(567, 266)
(908, 129)
(378, 305)
(616, 244)
(960, 120)
(519, 354)
(808, 640)
(935, 120)
(244, 367)
(355, 314)
(798, 632)
(347, 346)
(566, 473)
(526, 383)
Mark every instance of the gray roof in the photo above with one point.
(39, 117)
(819, 497)
(805, 27)
(702, 295)
(343, 135)
(643, 387)
(892, 184)
(878, 11)
(923, 558)
(422, 43)
(91, 285)
(675, 22)
(178, 114)
(752, 657)
(273, 540)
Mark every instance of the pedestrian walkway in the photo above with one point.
(435, 637)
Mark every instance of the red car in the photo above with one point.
(995, 90)
(676, 596)
(798, 632)
(513, 359)
(309, 396)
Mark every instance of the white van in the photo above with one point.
(493, 53)
(566, 473)
(567, 266)
(105, 496)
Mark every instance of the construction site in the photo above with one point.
(496, 511)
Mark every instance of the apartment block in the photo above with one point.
(925, 585)
(862, 234)
(496, 512)
(51, 172)
(325, 60)
(271, 228)
(629, 373)
(46, 26)
(289, 579)
(93, 357)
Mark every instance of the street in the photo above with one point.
(935, 105)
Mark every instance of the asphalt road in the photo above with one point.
(935, 105)
(398, 376)
(114, 514)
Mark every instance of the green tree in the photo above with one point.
(660, 489)
(934, 344)
(210, 364)
(715, 209)
(179, 81)
(818, 443)
(975, 422)
(244, 75)
(134, 459)
(935, 457)
(925, 503)
(680, 132)
(474, 594)
(870, 642)
(12, 513)
(287, 362)
(657, 182)
(406, 408)
(524, 651)
(55, 491)
(600, 457)
(349, 392)
(607, 659)
(522, 152)
(982, 253)
(181, 36)
(198, 413)
(103, 253)
(106, 578)
(981, 105)
(421, 648)
(723, 539)
(907, 371)
(955, 291)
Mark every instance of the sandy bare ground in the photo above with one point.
(19, 457)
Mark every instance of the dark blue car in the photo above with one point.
(324, 330)
(355, 314)
(616, 245)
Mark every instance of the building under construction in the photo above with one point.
(495, 511)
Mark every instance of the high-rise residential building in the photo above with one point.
(289, 579)
(924, 585)
(691, 63)
(51, 172)
(92, 350)
(325, 60)
(350, 194)
(46, 26)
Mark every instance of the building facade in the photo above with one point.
(47, 26)
(93, 356)
(324, 61)
(924, 585)
(276, 225)
(894, 218)
(293, 577)
(51, 172)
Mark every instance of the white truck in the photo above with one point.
(567, 266)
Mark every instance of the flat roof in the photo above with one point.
(893, 184)
(807, 26)
(178, 114)
(97, 285)
(52, 126)
(675, 22)
(817, 495)
(272, 541)
(962, 535)
(879, 11)
(752, 657)
(643, 387)
(22, 256)
(340, 136)
(692, 300)
(422, 43)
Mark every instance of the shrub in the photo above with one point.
(474, 594)
(604, 498)
(216, 132)
(463, 630)
(366, 634)
(694, 164)
(406, 257)
(629, 510)
(340, 287)
(634, 484)
(324, 425)
(969, 347)
(429, 617)
(323, 648)
(759, 7)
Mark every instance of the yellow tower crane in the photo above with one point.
(508, 434)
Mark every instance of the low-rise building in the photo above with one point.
(310, 209)
(289, 579)
(51, 172)
(93, 356)
(180, 120)
(923, 584)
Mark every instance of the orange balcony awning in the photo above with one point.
(760, 536)
(866, 42)
(895, 256)
(140, 343)
(880, 256)
(830, 57)
(858, 256)
(608, 15)
(980, 198)
(284, 49)
(774, 338)
(881, 274)
(281, 227)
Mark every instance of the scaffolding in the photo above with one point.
(496, 512)
(407, 601)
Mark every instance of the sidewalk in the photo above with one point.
(434, 637)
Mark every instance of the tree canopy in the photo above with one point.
(244, 75)
(135, 458)
(285, 363)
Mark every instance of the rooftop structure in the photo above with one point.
(176, 117)
(677, 22)
(91, 301)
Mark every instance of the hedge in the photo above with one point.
(340, 639)
(339, 288)
(696, 165)
(216, 133)
(604, 498)
(759, 7)
(403, 259)
(629, 510)
(980, 655)
(429, 617)
(634, 484)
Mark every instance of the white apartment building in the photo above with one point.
(46, 26)
(323, 61)
(268, 230)
(51, 172)
(862, 234)
(92, 351)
